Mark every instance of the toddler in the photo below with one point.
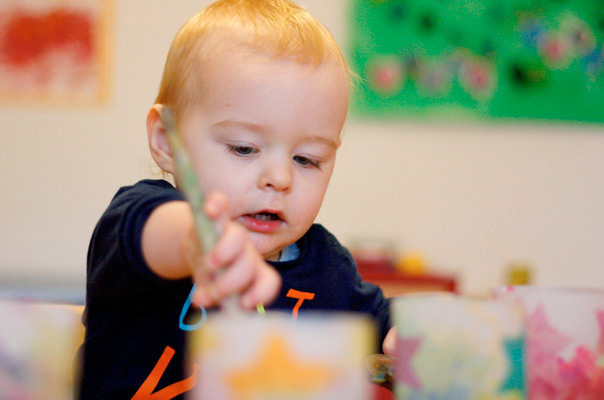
(260, 92)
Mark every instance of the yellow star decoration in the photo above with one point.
(278, 374)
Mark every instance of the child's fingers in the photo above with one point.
(231, 244)
(263, 290)
(232, 265)
(233, 280)
(217, 208)
(242, 269)
(240, 274)
(249, 275)
(389, 345)
(252, 277)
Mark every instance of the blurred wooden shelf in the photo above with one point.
(394, 282)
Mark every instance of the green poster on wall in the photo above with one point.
(484, 58)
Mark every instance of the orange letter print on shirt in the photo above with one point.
(145, 392)
(301, 296)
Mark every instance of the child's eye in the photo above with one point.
(307, 162)
(242, 150)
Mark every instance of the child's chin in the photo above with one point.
(268, 250)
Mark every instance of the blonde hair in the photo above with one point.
(279, 29)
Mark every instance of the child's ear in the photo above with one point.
(158, 139)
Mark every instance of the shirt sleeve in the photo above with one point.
(365, 297)
(116, 267)
(370, 299)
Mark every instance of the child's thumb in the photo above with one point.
(217, 208)
(389, 345)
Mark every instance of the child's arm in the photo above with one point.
(171, 249)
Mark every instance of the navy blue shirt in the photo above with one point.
(134, 318)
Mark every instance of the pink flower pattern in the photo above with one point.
(553, 378)
(405, 350)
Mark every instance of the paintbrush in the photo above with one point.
(187, 182)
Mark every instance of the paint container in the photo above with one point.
(456, 348)
(38, 345)
(273, 356)
(565, 340)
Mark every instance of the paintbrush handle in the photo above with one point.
(190, 186)
(188, 183)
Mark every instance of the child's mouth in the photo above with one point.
(265, 216)
(262, 222)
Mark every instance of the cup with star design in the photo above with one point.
(451, 347)
(275, 356)
(565, 340)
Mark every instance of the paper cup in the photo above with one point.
(38, 345)
(252, 357)
(451, 347)
(565, 341)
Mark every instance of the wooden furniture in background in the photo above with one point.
(393, 282)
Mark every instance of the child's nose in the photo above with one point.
(277, 175)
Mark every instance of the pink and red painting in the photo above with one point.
(54, 50)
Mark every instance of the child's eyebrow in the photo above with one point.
(321, 139)
(250, 126)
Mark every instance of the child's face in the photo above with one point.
(266, 133)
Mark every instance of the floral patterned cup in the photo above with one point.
(565, 341)
(456, 348)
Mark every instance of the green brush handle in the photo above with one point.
(188, 183)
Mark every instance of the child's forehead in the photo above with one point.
(247, 86)
(225, 58)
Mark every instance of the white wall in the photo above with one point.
(472, 197)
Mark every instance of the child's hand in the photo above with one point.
(234, 266)
(389, 345)
(380, 366)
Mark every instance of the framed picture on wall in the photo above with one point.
(55, 51)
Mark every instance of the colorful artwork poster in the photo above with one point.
(537, 59)
(54, 51)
